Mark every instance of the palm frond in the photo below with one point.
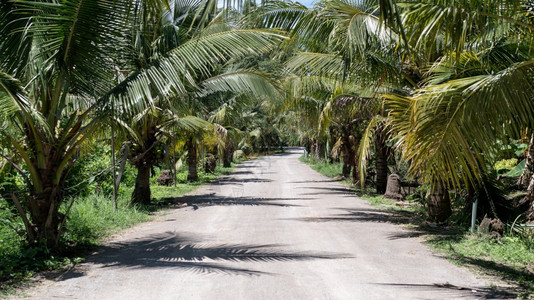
(365, 148)
(456, 25)
(448, 131)
(171, 75)
(240, 82)
(316, 64)
(189, 125)
(16, 104)
(15, 43)
(276, 15)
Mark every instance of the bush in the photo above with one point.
(505, 165)
(93, 174)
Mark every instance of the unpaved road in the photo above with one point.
(274, 229)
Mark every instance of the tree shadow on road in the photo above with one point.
(524, 278)
(231, 180)
(170, 250)
(328, 191)
(450, 291)
(363, 215)
(314, 181)
(388, 216)
(212, 199)
(241, 173)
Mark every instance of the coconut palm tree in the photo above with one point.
(175, 30)
(230, 86)
(479, 89)
(57, 61)
(361, 56)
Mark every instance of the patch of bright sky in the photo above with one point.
(307, 3)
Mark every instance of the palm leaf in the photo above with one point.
(448, 131)
(170, 75)
(252, 83)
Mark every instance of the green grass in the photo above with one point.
(95, 217)
(510, 258)
(325, 168)
(91, 220)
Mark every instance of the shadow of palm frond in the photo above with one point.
(315, 181)
(170, 250)
(242, 173)
(242, 180)
(448, 291)
(438, 233)
(213, 199)
(363, 215)
(522, 277)
(326, 191)
(286, 153)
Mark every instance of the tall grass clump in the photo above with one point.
(93, 217)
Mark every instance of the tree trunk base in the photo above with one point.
(141, 193)
(439, 205)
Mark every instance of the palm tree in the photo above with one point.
(175, 30)
(149, 135)
(361, 57)
(230, 85)
(57, 61)
(479, 89)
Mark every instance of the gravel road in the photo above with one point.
(274, 229)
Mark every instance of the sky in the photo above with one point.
(308, 3)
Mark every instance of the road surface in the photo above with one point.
(274, 229)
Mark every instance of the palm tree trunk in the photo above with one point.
(355, 175)
(45, 217)
(44, 205)
(347, 166)
(312, 148)
(382, 151)
(527, 203)
(144, 163)
(529, 164)
(348, 156)
(228, 155)
(141, 193)
(318, 150)
(192, 160)
(381, 172)
(439, 204)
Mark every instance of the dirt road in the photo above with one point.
(274, 229)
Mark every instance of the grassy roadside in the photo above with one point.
(510, 258)
(91, 220)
